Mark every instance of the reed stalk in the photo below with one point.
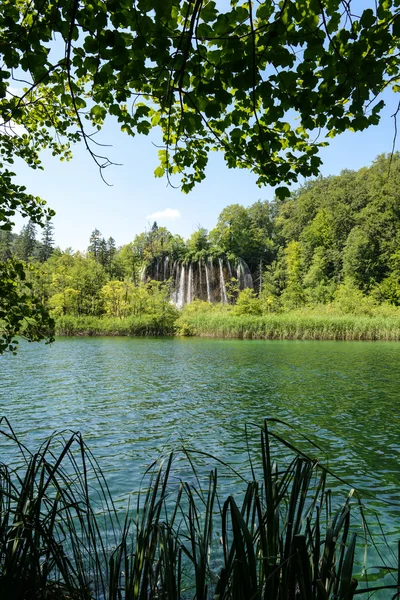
(282, 538)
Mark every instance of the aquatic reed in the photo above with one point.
(145, 325)
(223, 324)
(282, 538)
(291, 326)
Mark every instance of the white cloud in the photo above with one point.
(167, 213)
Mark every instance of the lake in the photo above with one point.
(133, 398)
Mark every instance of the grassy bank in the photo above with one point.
(224, 324)
(147, 325)
(291, 326)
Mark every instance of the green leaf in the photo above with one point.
(367, 18)
(282, 192)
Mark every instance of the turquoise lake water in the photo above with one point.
(133, 398)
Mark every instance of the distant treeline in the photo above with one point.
(334, 243)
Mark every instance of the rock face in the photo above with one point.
(206, 279)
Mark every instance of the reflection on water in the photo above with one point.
(133, 398)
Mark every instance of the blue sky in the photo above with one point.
(83, 202)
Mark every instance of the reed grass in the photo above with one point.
(146, 325)
(61, 536)
(290, 326)
(306, 325)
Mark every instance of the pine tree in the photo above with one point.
(103, 253)
(111, 252)
(95, 244)
(26, 242)
(47, 245)
(6, 243)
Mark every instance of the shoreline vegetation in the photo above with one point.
(323, 264)
(184, 539)
(299, 325)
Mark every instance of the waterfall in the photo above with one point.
(224, 297)
(211, 271)
(142, 274)
(180, 296)
(176, 278)
(176, 271)
(166, 261)
(200, 279)
(190, 285)
(208, 282)
(240, 275)
(229, 269)
(157, 267)
(244, 276)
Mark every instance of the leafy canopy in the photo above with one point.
(249, 79)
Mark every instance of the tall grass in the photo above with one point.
(61, 536)
(145, 325)
(223, 324)
(290, 326)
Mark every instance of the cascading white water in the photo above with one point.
(174, 275)
(143, 274)
(239, 276)
(208, 282)
(224, 297)
(211, 271)
(176, 272)
(200, 277)
(190, 285)
(229, 269)
(166, 261)
(244, 276)
(180, 297)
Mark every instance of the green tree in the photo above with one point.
(111, 251)
(319, 287)
(389, 287)
(20, 310)
(47, 243)
(231, 234)
(117, 298)
(293, 295)
(88, 277)
(198, 244)
(246, 233)
(26, 242)
(360, 259)
(128, 262)
(347, 226)
(96, 245)
(76, 283)
(261, 251)
(6, 244)
(103, 253)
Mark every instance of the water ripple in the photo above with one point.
(135, 398)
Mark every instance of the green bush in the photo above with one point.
(247, 303)
(348, 299)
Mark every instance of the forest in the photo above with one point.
(331, 247)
